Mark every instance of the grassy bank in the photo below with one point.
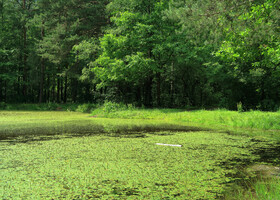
(72, 155)
(253, 123)
(36, 123)
(259, 189)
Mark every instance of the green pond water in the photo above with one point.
(119, 159)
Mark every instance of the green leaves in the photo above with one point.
(86, 50)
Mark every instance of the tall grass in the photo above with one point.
(30, 123)
(263, 188)
(267, 189)
(257, 123)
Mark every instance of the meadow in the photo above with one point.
(112, 153)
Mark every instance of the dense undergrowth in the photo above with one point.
(85, 108)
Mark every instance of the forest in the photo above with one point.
(149, 53)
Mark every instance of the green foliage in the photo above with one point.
(138, 48)
(48, 107)
(3, 106)
(113, 107)
(86, 51)
(30, 107)
(85, 108)
(38, 54)
(239, 107)
(250, 48)
(109, 108)
(154, 53)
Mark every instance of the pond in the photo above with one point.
(115, 159)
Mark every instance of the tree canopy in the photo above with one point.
(153, 53)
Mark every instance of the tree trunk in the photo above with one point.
(65, 89)
(172, 86)
(42, 80)
(24, 56)
(201, 97)
(53, 88)
(74, 85)
(1, 92)
(148, 92)
(58, 90)
(2, 13)
(47, 89)
(2, 28)
(61, 89)
(185, 100)
(158, 90)
(138, 96)
(19, 87)
(88, 96)
(5, 91)
(42, 77)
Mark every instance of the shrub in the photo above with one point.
(113, 107)
(52, 106)
(240, 107)
(3, 106)
(85, 108)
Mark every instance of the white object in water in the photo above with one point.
(172, 145)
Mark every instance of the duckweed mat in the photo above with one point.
(121, 163)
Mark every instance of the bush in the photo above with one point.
(3, 106)
(269, 105)
(113, 107)
(51, 106)
(85, 108)
(240, 107)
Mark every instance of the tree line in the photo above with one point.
(152, 53)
